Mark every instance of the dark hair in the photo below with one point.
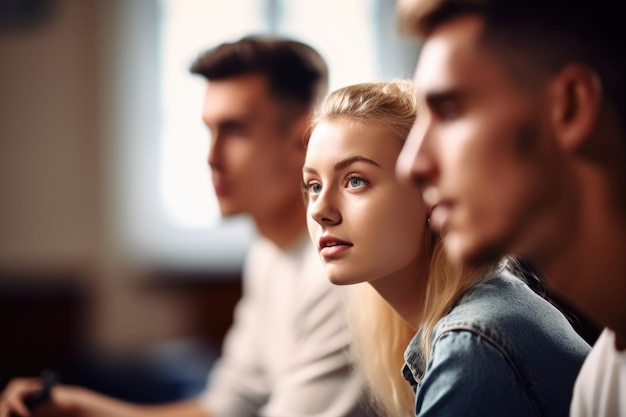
(296, 73)
(548, 33)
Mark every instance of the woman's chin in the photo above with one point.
(338, 279)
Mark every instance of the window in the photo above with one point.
(184, 224)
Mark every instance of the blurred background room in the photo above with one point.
(115, 268)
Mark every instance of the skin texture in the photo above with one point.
(350, 183)
(519, 160)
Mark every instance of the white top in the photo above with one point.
(286, 353)
(600, 389)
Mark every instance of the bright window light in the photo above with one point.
(189, 27)
(341, 31)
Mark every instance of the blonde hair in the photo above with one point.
(380, 335)
(392, 105)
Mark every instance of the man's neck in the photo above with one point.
(283, 228)
(590, 271)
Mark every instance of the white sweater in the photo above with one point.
(286, 353)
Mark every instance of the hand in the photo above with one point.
(60, 401)
(12, 398)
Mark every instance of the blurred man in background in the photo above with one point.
(287, 353)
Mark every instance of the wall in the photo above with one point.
(56, 211)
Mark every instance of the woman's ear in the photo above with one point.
(576, 94)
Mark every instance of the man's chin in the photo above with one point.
(471, 253)
(229, 211)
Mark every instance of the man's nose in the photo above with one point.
(213, 157)
(416, 163)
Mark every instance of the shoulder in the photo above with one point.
(506, 332)
(500, 303)
(505, 312)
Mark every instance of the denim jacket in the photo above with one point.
(502, 351)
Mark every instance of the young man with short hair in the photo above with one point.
(521, 149)
(287, 351)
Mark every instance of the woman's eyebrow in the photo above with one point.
(343, 163)
(309, 170)
(353, 159)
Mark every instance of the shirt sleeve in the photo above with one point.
(468, 376)
(237, 385)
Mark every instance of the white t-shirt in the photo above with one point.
(600, 389)
(286, 353)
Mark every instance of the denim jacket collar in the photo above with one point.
(413, 368)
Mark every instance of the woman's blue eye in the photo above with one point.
(315, 188)
(356, 182)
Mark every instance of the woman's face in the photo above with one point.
(365, 224)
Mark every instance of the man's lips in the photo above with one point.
(431, 196)
(331, 246)
(441, 209)
(440, 216)
(220, 186)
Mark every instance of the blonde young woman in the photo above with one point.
(468, 341)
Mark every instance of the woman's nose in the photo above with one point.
(324, 210)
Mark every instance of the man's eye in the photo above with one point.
(448, 110)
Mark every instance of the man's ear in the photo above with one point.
(576, 94)
(299, 132)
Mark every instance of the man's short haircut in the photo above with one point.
(296, 73)
(548, 33)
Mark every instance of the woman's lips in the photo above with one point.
(334, 250)
(331, 246)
